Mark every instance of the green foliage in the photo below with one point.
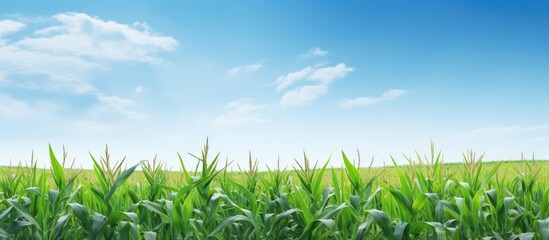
(424, 199)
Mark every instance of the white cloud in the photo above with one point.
(62, 56)
(9, 26)
(498, 130)
(247, 68)
(118, 105)
(16, 108)
(20, 60)
(13, 108)
(239, 112)
(285, 81)
(61, 72)
(81, 35)
(366, 101)
(138, 90)
(303, 96)
(323, 75)
(329, 74)
(314, 52)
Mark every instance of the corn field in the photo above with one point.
(424, 200)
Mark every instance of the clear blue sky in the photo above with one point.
(276, 79)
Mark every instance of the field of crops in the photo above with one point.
(426, 199)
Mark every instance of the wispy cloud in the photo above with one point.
(78, 34)
(287, 80)
(13, 108)
(62, 55)
(8, 26)
(16, 108)
(366, 101)
(329, 74)
(322, 75)
(314, 52)
(252, 67)
(497, 130)
(54, 72)
(239, 112)
(304, 95)
(118, 105)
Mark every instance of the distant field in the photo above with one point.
(426, 199)
(383, 175)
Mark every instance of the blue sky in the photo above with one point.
(275, 79)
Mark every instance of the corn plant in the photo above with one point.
(426, 198)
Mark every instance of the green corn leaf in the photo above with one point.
(127, 231)
(57, 170)
(285, 214)
(335, 182)
(543, 226)
(495, 237)
(451, 208)
(327, 223)
(185, 172)
(492, 197)
(15, 226)
(315, 225)
(6, 212)
(60, 226)
(228, 222)
(268, 220)
(98, 225)
(419, 203)
(362, 230)
(417, 228)
(439, 229)
(53, 196)
(149, 236)
(169, 188)
(35, 190)
(100, 175)
(23, 213)
(523, 236)
(119, 181)
(4, 234)
(406, 186)
(490, 174)
(319, 177)
(124, 231)
(352, 173)
(401, 199)
(382, 220)
(116, 217)
(156, 208)
(81, 212)
(327, 194)
(544, 208)
(401, 231)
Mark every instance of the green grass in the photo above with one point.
(425, 199)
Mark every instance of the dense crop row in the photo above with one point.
(312, 202)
